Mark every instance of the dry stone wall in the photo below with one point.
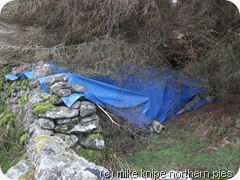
(53, 132)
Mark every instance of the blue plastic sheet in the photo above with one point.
(152, 94)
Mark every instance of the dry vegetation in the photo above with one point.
(109, 35)
(103, 37)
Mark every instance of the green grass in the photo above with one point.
(10, 148)
(177, 151)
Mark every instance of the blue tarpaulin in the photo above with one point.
(151, 94)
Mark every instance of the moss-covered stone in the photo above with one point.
(29, 175)
(58, 129)
(54, 98)
(40, 141)
(24, 157)
(9, 91)
(92, 137)
(49, 98)
(42, 107)
(45, 96)
(24, 99)
(24, 85)
(23, 138)
(69, 126)
(6, 67)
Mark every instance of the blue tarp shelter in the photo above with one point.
(151, 94)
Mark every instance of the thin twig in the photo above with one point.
(105, 112)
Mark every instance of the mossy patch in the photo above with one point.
(23, 138)
(40, 141)
(89, 155)
(6, 116)
(42, 107)
(69, 126)
(49, 98)
(45, 96)
(92, 137)
(29, 175)
(9, 90)
(24, 157)
(24, 99)
(24, 84)
(53, 98)
(1, 84)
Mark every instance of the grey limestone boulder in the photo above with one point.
(35, 97)
(87, 124)
(60, 112)
(77, 89)
(76, 105)
(51, 80)
(43, 70)
(33, 84)
(61, 89)
(21, 69)
(87, 108)
(28, 119)
(45, 123)
(84, 125)
(69, 139)
(80, 169)
(55, 161)
(19, 170)
(63, 121)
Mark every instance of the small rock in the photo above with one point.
(85, 125)
(16, 109)
(14, 94)
(77, 89)
(69, 139)
(87, 108)
(55, 79)
(16, 88)
(157, 127)
(46, 123)
(21, 69)
(28, 120)
(41, 71)
(60, 112)
(76, 105)
(93, 141)
(61, 89)
(62, 92)
(33, 84)
(75, 171)
(19, 170)
(35, 97)
(20, 93)
(63, 121)
(14, 100)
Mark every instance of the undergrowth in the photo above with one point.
(107, 37)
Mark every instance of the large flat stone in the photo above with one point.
(60, 112)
